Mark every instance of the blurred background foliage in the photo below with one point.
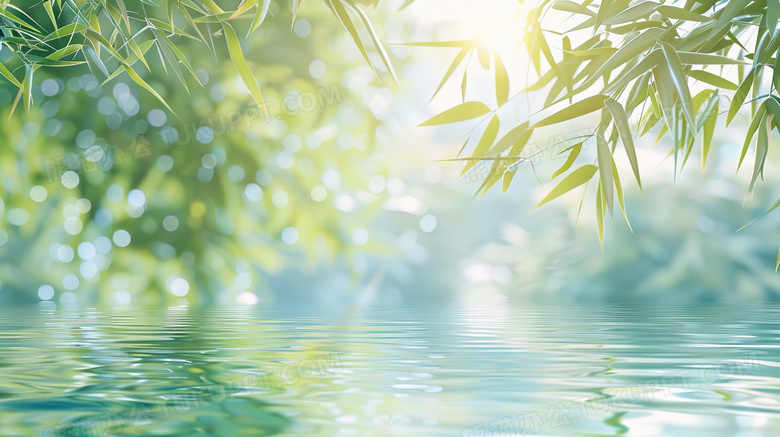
(349, 201)
(132, 214)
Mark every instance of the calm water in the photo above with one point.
(428, 371)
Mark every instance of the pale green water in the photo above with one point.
(427, 371)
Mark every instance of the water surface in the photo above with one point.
(424, 371)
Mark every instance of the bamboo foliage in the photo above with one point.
(111, 36)
(638, 60)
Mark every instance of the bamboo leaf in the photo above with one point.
(575, 152)
(680, 82)
(605, 170)
(260, 15)
(762, 147)
(237, 55)
(377, 42)
(771, 208)
(710, 120)
(712, 79)
(640, 10)
(754, 125)
(297, 3)
(515, 139)
(502, 80)
(455, 63)
(619, 189)
(570, 182)
(583, 107)
(602, 13)
(464, 111)
(690, 58)
(772, 16)
(740, 95)
(621, 122)
(137, 79)
(338, 8)
(7, 74)
(484, 143)
(600, 213)
(675, 13)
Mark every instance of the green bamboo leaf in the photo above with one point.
(65, 51)
(137, 79)
(515, 140)
(484, 143)
(234, 48)
(502, 80)
(776, 74)
(188, 18)
(211, 6)
(508, 175)
(542, 42)
(50, 12)
(297, 3)
(123, 12)
(762, 147)
(583, 107)
(462, 112)
(383, 55)
(338, 8)
(712, 79)
(27, 86)
(621, 122)
(740, 95)
(629, 51)
(144, 47)
(570, 182)
(710, 120)
(7, 74)
(640, 10)
(455, 63)
(773, 106)
(244, 6)
(731, 10)
(260, 15)
(778, 261)
(691, 58)
(752, 129)
(575, 152)
(648, 63)
(483, 54)
(90, 52)
(771, 208)
(680, 82)
(16, 100)
(67, 30)
(573, 7)
(178, 55)
(666, 97)
(403, 6)
(605, 170)
(600, 213)
(619, 189)
(675, 13)
(463, 85)
(600, 51)
(772, 16)
(602, 13)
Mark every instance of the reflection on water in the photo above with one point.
(427, 371)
